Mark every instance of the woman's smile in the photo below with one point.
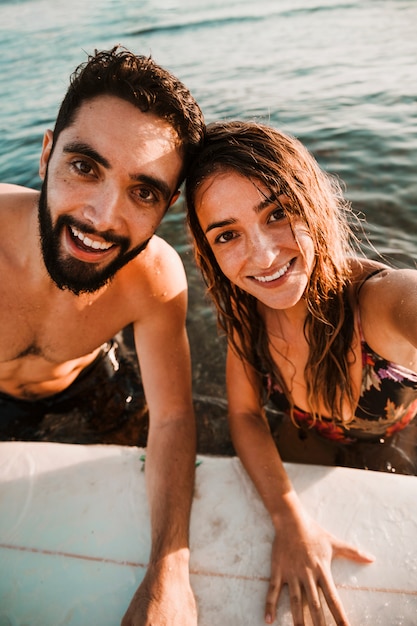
(257, 246)
(268, 278)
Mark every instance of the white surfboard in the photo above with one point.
(74, 537)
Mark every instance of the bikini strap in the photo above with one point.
(374, 273)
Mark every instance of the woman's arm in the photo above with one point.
(302, 552)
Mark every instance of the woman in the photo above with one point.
(327, 336)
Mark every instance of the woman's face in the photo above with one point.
(254, 243)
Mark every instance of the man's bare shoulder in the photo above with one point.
(159, 260)
(14, 197)
(9, 189)
(154, 277)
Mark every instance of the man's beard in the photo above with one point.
(70, 273)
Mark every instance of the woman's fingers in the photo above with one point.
(272, 598)
(296, 595)
(347, 551)
(303, 561)
(314, 602)
(333, 600)
(296, 602)
(308, 597)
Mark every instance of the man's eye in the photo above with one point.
(82, 167)
(147, 194)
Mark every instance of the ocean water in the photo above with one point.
(340, 75)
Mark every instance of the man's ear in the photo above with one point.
(174, 198)
(46, 153)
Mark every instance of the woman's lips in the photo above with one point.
(271, 277)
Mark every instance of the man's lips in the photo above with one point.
(88, 243)
(271, 277)
(84, 247)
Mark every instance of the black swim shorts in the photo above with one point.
(105, 404)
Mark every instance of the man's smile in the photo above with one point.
(88, 242)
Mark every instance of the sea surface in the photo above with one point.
(340, 75)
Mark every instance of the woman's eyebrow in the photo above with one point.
(267, 201)
(220, 224)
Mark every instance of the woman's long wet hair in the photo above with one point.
(284, 166)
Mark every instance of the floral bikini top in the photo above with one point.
(388, 402)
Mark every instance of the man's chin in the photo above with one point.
(79, 290)
(79, 286)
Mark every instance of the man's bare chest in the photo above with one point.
(42, 352)
(54, 329)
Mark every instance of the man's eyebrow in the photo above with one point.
(157, 183)
(78, 147)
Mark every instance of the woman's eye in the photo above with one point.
(277, 215)
(225, 237)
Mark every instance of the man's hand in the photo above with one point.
(164, 598)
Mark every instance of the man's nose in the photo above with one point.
(104, 209)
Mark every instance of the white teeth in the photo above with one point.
(268, 279)
(90, 243)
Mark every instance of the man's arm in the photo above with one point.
(165, 595)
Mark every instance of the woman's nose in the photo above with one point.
(263, 250)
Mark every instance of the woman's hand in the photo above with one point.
(302, 554)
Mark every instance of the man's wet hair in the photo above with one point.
(142, 82)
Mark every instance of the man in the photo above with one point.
(79, 262)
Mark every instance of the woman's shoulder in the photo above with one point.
(387, 304)
(375, 286)
(375, 280)
(362, 269)
(373, 277)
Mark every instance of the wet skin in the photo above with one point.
(271, 256)
(253, 241)
(110, 179)
(102, 203)
(258, 249)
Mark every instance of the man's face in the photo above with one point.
(107, 184)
